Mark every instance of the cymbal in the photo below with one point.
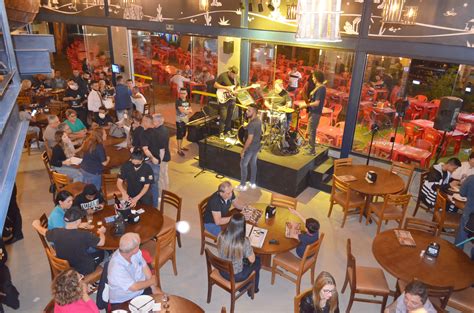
(285, 110)
(271, 97)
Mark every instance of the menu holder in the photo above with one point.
(405, 238)
(292, 229)
(347, 178)
(256, 235)
(252, 215)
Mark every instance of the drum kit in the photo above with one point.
(276, 134)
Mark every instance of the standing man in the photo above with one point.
(293, 78)
(58, 82)
(250, 149)
(467, 190)
(164, 141)
(183, 110)
(94, 100)
(151, 147)
(139, 177)
(138, 100)
(123, 102)
(74, 97)
(315, 108)
(14, 219)
(227, 81)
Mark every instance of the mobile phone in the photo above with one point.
(110, 219)
(33, 113)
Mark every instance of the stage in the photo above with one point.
(288, 174)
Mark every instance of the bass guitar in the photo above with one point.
(224, 95)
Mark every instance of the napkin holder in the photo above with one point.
(432, 250)
(270, 211)
(371, 177)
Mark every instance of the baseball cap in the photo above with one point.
(90, 190)
(234, 69)
(73, 214)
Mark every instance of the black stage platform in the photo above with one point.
(288, 175)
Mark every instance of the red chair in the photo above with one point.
(394, 94)
(368, 117)
(433, 136)
(174, 90)
(412, 132)
(423, 144)
(324, 121)
(399, 138)
(412, 112)
(421, 98)
(434, 111)
(336, 111)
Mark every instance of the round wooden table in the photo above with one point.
(177, 304)
(118, 156)
(451, 268)
(148, 227)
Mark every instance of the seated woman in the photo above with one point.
(63, 201)
(311, 236)
(77, 127)
(234, 246)
(70, 294)
(60, 162)
(324, 298)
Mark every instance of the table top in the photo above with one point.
(177, 304)
(430, 124)
(406, 150)
(466, 117)
(451, 268)
(276, 227)
(387, 182)
(148, 227)
(331, 131)
(425, 105)
(118, 156)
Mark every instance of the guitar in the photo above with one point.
(224, 95)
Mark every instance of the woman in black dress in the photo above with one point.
(324, 298)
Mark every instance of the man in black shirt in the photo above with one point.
(89, 199)
(139, 177)
(74, 96)
(228, 81)
(71, 244)
(137, 130)
(152, 149)
(218, 208)
(164, 142)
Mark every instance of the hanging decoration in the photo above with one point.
(409, 15)
(126, 3)
(318, 20)
(392, 11)
(291, 11)
(204, 5)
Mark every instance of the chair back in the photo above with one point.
(202, 207)
(283, 201)
(441, 294)
(424, 144)
(49, 308)
(423, 177)
(60, 180)
(399, 138)
(439, 215)
(336, 111)
(166, 239)
(47, 165)
(403, 169)
(401, 201)
(421, 98)
(57, 265)
(311, 253)
(339, 185)
(351, 266)
(214, 262)
(175, 201)
(299, 298)
(47, 148)
(412, 223)
(44, 223)
(324, 121)
(338, 163)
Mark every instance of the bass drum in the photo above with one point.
(242, 135)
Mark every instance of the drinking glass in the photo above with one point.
(164, 302)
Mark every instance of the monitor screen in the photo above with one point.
(116, 68)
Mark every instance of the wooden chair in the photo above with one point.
(165, 250)
(348, 199)
(109, 186)
(47, 148)
(223, 310)
(49, 308)
(412, 223)
(296, 266)
(403, 169)
(202, 206)
(419, 203)
(298, 298)
(30, 136)
(44, 223)
(338, 163)
(216, 265)
(392, 208)
(462, 300)
(283, 201)
(364, 280)
(444, 219)
(60, 180)
(175, 201)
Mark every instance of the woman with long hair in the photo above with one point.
(94, 158)
(234, 246)
(70, 294)
(324, 298)
(63, 202)
(60, 157)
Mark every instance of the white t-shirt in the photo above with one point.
(139, 102)
(179, 81)
(293, 79)
(94, 101)
(462, 172)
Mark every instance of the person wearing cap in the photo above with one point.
(72, 244)
(311, 235)
(89, 199)
(204, 76)
(227, 80)
(139, 177)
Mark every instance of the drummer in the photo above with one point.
(279, 98)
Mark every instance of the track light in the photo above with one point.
(271, 7)
(260, 6)
(250, 6)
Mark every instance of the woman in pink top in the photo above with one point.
(70, 294)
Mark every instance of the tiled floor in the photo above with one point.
(31, 274)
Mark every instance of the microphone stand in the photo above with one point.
(204, 159)
(374, 130)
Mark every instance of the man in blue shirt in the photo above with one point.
(467, 190)
(123, 100)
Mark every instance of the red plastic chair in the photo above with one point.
(399, 138)
(324, 121)
(433, 136)
(336, 111)
(421, 98)
(423, 144)
(412, 132)
(434, 111)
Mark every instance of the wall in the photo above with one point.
(227, 60)
(120, 42)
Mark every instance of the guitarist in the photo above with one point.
(227, 80)
(315, 106)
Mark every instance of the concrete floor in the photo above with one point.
(30, 270)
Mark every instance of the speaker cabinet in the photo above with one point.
(448, 112)
(228, 47)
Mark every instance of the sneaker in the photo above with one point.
(253, 186)
(309, 152)
(241, 187)
(181, 153)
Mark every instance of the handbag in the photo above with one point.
(117, 131)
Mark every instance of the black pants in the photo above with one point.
(14, 215)
(226, 110)
(246, 271)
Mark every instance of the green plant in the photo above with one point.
(442, 86)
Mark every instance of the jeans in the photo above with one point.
(312, 127)
(246, 271)
(74, 173)
(461, 234)
(121, 113)
(94, 179)
(212, 228)
(226, 110)
(249, 157)
(164, 178)
(156, 184)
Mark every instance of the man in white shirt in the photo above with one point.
(466, 169)
(293, 79)
(128, 274)
(138, 99)
(94, 100)
(414, 299)
(179, 80)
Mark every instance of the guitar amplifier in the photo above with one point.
(244, 97)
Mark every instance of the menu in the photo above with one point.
(347, 178)
(292, 229)
(256, 235)
(405, 238)
(75, 160)
(252, 215)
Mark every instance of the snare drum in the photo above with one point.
(263, 115)
(277, 119)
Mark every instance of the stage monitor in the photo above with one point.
(116, 69)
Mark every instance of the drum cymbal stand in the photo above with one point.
(297, 128)
(208, 132)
